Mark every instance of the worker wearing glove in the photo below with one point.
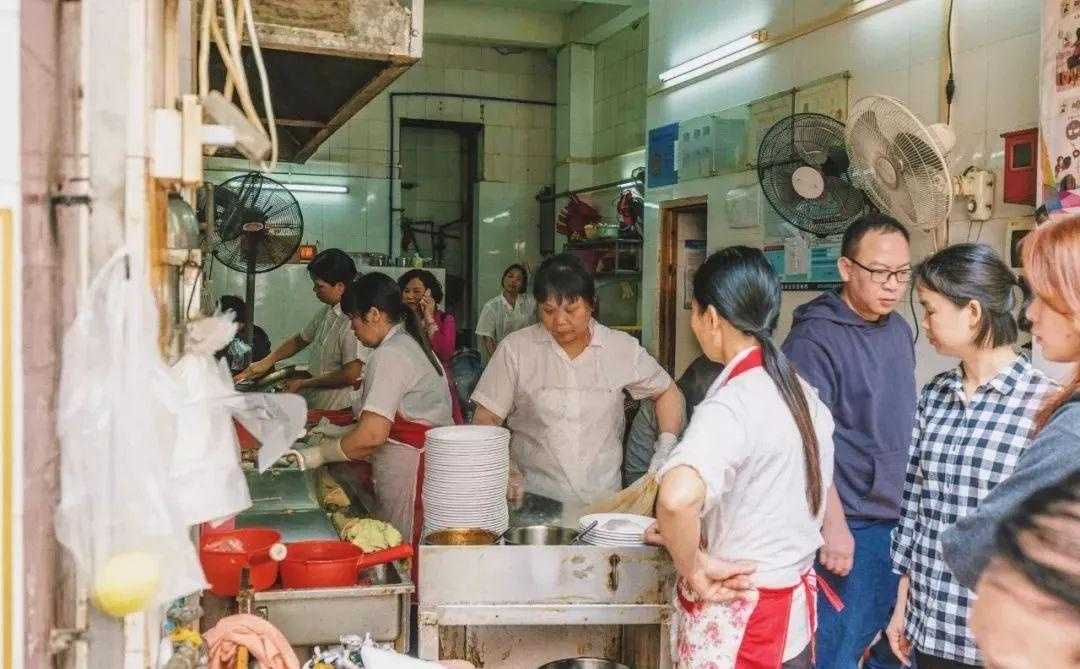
(321, 450)
(662, 448)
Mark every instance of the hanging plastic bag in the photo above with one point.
(205, 475)
(116, 420)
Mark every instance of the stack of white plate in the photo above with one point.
(615, 529)
(465, 478)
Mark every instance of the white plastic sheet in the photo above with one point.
(117, 426)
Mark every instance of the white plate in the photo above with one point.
(460, 433)
(636, 523)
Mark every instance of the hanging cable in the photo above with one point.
(950, 83)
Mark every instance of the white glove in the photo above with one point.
(665, 443)
(322, 451)
(328, 429)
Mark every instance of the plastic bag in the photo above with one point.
(206, 476)
(116, 420)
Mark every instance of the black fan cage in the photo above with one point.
(258, 224)
(816, 141)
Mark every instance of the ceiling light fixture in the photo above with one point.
(712, 60)
(312, 188)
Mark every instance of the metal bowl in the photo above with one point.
(584, 663)
(461, 536)
(540, 535)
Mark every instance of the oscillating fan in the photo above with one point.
(258, 226)
(803, 170)
(901, 164)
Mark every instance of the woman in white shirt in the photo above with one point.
(747, 481)
(559, 386)
(507, 312)
(404, 395)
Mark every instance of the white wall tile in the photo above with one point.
(971, 19)
(972, 82)
(1012, 89)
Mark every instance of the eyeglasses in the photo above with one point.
(882, 276)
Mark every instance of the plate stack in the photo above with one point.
(465, 479)
(615, 529)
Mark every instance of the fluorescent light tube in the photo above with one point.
(313, 188)
(714, 59)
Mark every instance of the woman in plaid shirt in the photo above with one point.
(971, 425)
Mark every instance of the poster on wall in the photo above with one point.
(805, 264)
(693, 258)
(663, 149)
(1059, 109)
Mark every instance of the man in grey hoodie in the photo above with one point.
(858, 353)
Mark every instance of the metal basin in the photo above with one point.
(461, 536)
(584, 663)
(540, 535)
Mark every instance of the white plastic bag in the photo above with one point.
(206, 478)
(117, 426)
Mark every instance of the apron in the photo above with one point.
(398, 471)
(739, 634)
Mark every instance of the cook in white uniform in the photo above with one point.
(336, 360)
(404, 394)
(559, 386)
(747, 481)
(510, 311)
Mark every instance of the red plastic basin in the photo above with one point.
(224, 554)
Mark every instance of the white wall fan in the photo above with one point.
(901, 164)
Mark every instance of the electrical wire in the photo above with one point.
(237, 18)
(950, 83)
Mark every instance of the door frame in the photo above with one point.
(668, 303)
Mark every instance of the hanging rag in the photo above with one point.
(264, 641)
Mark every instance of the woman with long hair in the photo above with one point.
(422, 292)
(972, 425)
(1051, 257)
(747, 481)
(404, 395)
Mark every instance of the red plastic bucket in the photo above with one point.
(224, 554)
(332, 564)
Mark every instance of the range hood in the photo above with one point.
(326, 59)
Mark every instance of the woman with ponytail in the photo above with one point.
(404, 395)
(972, 424)
(747, 482)
(1051, 255)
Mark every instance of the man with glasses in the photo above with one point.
(859, 355)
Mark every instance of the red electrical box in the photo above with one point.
(1021, 152)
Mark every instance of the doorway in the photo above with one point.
(683, 230)
(439, 167)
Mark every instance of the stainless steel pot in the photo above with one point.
(584, 663)
(540, 535)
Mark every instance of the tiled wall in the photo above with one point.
(619, 93)
(517, 150)
(897, 51)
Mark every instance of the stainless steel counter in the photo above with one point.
(544, 586)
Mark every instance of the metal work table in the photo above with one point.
(576, 588)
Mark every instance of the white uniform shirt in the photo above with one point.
(566, 416)
(399, 379)
(332, 345)
(498, 318)
(743, 442)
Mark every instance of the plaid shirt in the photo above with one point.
(959, 452)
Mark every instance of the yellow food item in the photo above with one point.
(331, 494)
(371, 535)
(126, 583)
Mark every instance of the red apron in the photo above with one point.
(741, 635)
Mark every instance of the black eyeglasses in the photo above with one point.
(882, 276)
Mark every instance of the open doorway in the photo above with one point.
(439, 167)
(683, 228)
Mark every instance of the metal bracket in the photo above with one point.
(61, 640)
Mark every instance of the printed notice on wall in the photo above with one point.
(693, 257)
(1059, 109)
